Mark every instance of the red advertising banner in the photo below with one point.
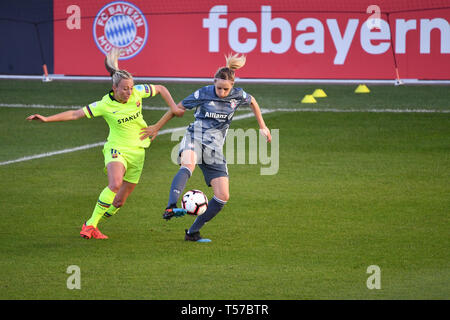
(282, 40)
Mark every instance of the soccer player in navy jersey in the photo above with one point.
(203, 142)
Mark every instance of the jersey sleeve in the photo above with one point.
(145, 90)
(94, 109)
(246, 99)
(193, 100)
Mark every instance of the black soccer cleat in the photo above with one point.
(173, 212)
(195, 237)
(192, 236)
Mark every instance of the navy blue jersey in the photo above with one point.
(213, 115)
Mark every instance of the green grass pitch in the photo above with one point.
(353, 189)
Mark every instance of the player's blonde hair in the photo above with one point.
(233, 62)
(112, 66)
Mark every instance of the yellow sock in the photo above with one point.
(111, 211)
(103, 204)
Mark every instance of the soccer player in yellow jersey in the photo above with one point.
(124, 151)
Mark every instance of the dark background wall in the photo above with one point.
(22, 23)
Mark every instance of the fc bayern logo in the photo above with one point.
(233, 103)
(122, 25)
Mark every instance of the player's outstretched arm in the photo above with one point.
(262, 125)
(165, 94)
(152, 131)
(63, 116)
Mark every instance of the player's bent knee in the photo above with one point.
(190, 167)
(115, 186)
(224, 197)
(118, 203)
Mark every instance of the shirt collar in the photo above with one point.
(111, 96)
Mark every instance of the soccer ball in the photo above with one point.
(195, 202)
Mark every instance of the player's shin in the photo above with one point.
(103, 204)
(111, 211)
(214, 207)
(178, 185)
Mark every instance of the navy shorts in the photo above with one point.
(210, 161)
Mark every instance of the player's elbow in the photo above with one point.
(159, 88)
(178, 111)
(77, 114)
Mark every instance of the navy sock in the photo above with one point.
(214, 207)
(178, 185)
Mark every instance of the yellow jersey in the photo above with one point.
(125, 120)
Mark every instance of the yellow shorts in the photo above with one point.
(132, 158)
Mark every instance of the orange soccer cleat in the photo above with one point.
(87, 231)
(98, 235)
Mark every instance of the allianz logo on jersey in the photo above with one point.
(216, 115)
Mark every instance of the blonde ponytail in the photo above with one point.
(112, 66)
(233, 62)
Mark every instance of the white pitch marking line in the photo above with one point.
(372, 110)
(166, 131)
(53, 153)
(98, 144)
(44, 106)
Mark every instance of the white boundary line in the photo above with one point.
(98, 144)
(372, 110)
(53, 153)
(167, 131)
(43, 106)
(238, 80)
